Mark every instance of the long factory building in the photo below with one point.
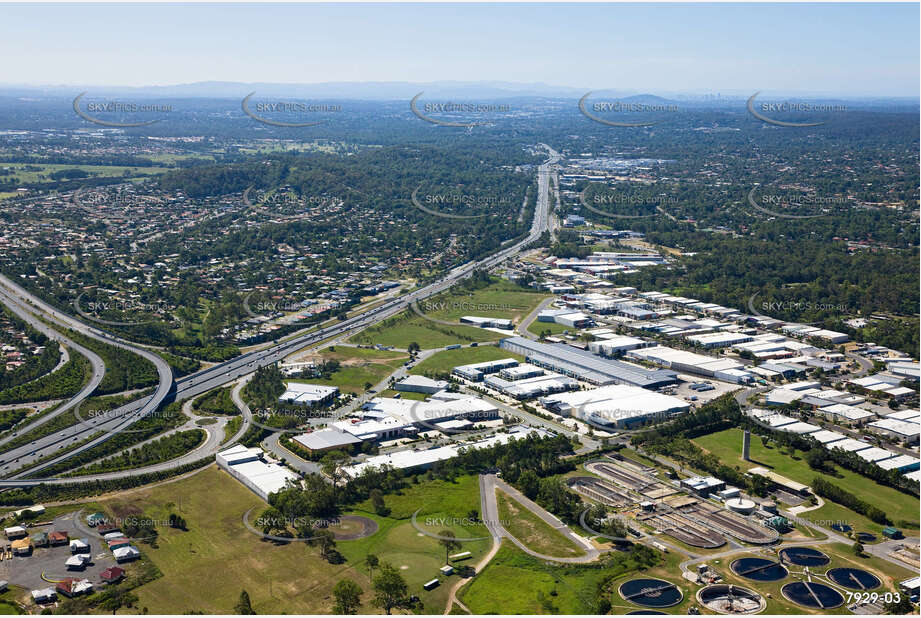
(425, 458)
(585, 366)
(618, 406)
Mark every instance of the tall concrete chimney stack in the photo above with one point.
(746, 445)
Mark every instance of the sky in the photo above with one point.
(838, 49)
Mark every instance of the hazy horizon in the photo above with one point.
(854, 50)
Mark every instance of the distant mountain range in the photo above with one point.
(388, 91)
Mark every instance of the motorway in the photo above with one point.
(218, 375)
(33, 309)
(97, 364)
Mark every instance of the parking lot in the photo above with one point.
(46, 564)
(684, 390)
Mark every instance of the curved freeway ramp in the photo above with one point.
(248, 363)
(213, 443)
(489, 483)
(113, 423)
(99, 368)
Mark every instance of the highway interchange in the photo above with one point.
(93, 431)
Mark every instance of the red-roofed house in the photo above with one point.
(112, 575)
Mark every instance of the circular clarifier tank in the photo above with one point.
(804, 556)
(651, 592)
(730, 599)
(812, 595)
(759, 569)
(856, 579)
(741, 505)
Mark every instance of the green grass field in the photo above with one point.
(500, 299)
(537, 328)
(291, 578)
(10, 600)
(516, 583)
(359, 366)
(727, 445)
(442, 506)
(389, 392)
(28, 176)
(533, 531)
(444, 361)
(407, 327)
(205, 568)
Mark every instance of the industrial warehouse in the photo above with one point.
(311, 395)
(385, 418)
(585, 366)
(425, 458)
(725, 369)
(904, 431)
(616, 406)
(255, 470)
